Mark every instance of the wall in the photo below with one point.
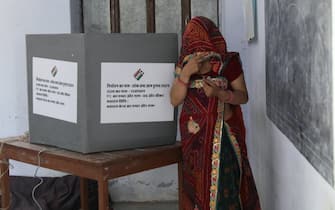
(96, 16)
(18, 18)
(284, 178)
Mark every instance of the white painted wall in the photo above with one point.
(18, 18)
(285, 179)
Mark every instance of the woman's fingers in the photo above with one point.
(209, 82)
(210, 88)
(195, 63)
(199, 58)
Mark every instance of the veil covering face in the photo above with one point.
(203, 36)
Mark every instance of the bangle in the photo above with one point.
(230, 97)
(182, 82)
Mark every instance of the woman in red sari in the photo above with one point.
(210, 84)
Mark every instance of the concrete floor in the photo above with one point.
(146, 206)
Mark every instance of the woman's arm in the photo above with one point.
(179, 90)
(238, 94)
(179, 87)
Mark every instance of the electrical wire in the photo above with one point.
(40, 178)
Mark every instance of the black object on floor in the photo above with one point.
(56, 193)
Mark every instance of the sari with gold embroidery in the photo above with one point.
(216, 171)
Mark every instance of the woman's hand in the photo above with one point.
(237, 95)
(192, 67)
(210, 88)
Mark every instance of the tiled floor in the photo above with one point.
(146, 206)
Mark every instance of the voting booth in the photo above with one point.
(101, 92)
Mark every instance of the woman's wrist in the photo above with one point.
(229, 96)
(184, 77)
(182, 82)
(226, 96)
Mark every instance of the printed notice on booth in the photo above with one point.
(55, 88)
(136, 92)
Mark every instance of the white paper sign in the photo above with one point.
(55, 88)
(136, 92)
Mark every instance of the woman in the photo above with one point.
(210, 84)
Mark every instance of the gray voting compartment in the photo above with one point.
(101, 92)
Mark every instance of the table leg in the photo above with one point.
(83, 194)
(103, 194)
(5, 193)
(180, 184)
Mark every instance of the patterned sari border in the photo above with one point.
(216, 152)
(216, 161)
(233, 141)
(235, 145)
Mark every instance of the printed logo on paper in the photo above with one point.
(54, 71)
(138, 74)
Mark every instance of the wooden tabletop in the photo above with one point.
(100, 166)
(113, 164)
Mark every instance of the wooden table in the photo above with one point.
(98, 166)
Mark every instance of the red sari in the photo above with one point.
(216, 171)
